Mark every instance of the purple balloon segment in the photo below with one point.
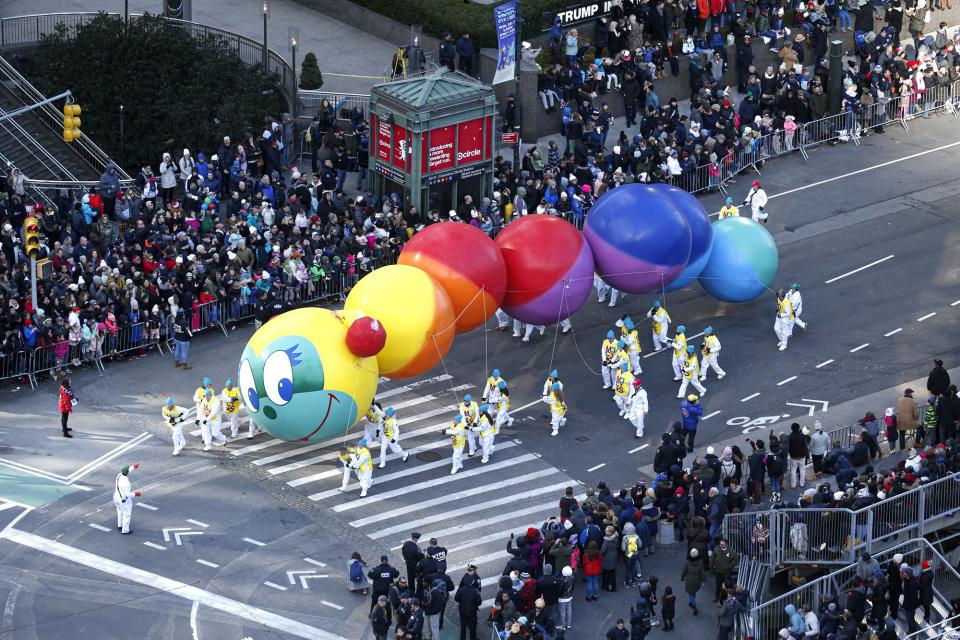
(564, 298)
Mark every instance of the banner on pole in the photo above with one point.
(505, 18)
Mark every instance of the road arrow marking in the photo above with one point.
(315, 562)
(811, 408)
(179, 531)
(275, 586)
(303, 576)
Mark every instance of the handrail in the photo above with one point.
(924, 634)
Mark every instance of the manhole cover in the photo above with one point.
(581, 438)
(428, 456)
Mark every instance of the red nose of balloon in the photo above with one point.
(366, 337)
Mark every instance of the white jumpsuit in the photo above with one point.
(797, 301)
(632, 339)
(757, 199)
(710, 353)
(603, 288)
(230, 401)
(661, 324)
(470, 413)
(487, 432)
(372, 423)
(347, 462)
(638, 410)
(210, 422)
(608, 361)
(458, 439)
(503, 413)
(679, 350)
(503, 320)
(123, 500)
(622, 390)
(691, 371)
(363, 463)
(783, 326)
(558, 412)
(173, 416)
(391, 440)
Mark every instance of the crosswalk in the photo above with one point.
(471, 513)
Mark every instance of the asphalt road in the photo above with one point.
(284, 496)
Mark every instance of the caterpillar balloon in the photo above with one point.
(310, 374)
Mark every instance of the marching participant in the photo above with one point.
(457, 440)
(486, 430)
(797, 301)
(198, 396)
(603, 288)
(492, 386)
(558, 408)
(503, 408)
(363, 464)
(729, 210)
(679, 349)
(230, 400)
(757, 199)
(123, 495)
(210, 420)
(630, 335)
(691, 373)
(710, 351)
(553, 377)
(608, 358)
(639, 407)
(661, 324)
(623, 389)
(345, 456)
(373, 422)
(470, 411)
(390, 432)
(174, 416)
(783, 326)
(503, 320)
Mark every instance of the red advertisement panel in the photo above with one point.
(399, 146)
(384, 152)
(470, 141)
(440, 155)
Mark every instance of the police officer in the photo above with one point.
(468, 599)
(439, 554)
(381, 577)
(448, 51)
(412, 555)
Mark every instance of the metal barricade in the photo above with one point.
(16, 365)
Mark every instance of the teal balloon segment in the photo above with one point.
(743, 262)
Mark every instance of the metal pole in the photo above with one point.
(266, 57)
(296, 99)
(16, 112)
(123, 155)
(33, 283)
(835, 79)
(518, 100)
(126, 14)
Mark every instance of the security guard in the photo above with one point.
(391, 437)
(174, 416)
(492, 386)
(457, 440)
(123, 495)
(679, 349)
(623, 389)
(783, 326)
(729, 210)
(363, 463)
(470, 411)
(661, 324)
(710, 351)
(691, 373)
(210, 419)
(373, 422)
(630, 335)
(558, 408)
(230, 397)
(608, 358)
(485, 427)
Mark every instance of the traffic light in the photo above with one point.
(71, 122)
(31, 237)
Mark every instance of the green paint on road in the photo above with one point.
(29, 489)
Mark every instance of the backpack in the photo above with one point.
(575, 559)
(632, 546)
(356, 572)
(437, 593)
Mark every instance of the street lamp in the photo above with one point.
(293, 37)
(265, 10)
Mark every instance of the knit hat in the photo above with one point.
(898, 558)
(567, 571)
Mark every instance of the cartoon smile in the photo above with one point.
(330, 400)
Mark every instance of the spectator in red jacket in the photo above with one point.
(592, 566)
(65, 404)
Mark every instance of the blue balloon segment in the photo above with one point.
(743, 262)
(701, 234)
(640, 238)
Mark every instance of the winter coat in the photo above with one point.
(724, 561)
(908, 414)
(609, 552)
(64, 403)
(795, 620)
(592, 566)
(693, 575)
(938, 382)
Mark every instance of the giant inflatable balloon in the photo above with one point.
(466, 263)
(299, 378)
(640, 238)
(743, 262)
(549, 269)
(701, 233)
(416, 313)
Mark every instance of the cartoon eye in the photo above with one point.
(248, 387)
(278, 378)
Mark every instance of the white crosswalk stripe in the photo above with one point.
(471, 513)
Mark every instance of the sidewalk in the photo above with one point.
(340, 48)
